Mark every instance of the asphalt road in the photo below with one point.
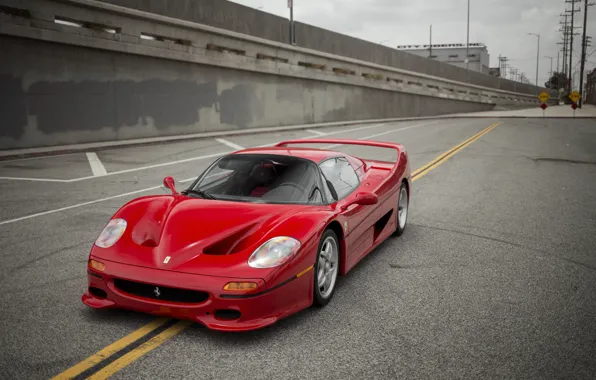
(495, 277)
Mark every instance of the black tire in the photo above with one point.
(398, 229)
(321, 298)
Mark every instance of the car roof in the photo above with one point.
(316, 155)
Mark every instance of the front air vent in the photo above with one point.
(160, 293)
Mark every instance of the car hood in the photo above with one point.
(201, 236)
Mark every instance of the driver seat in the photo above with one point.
(261, 178)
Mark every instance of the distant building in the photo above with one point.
(590, 89)
(455, 54)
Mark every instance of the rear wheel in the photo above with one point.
(403, 203)
(326, 268)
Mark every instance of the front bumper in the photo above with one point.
(218, 310)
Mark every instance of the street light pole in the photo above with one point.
(430, 46)
(537, 55)
(292, 37)
(468, 45)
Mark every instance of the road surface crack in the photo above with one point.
(562, 160)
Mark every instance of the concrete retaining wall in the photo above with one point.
(238, 18)
(64, 85)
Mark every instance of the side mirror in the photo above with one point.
(363, 199)
(169, 183)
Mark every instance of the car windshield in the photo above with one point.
(262, 178)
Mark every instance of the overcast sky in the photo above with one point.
(503, 28)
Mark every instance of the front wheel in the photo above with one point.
(403, 203)
(326, 268)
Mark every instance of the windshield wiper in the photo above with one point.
(200, 193)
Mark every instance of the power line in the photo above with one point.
(585, 42)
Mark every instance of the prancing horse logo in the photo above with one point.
(156, 292)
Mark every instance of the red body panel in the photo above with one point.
(208, 243)
(256, 312)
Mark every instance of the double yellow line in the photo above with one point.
(157, 332)
(102, 365)
(416, 175)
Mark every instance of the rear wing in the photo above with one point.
(377, 144)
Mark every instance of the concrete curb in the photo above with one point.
(75, 148)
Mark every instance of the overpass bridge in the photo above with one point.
(85, 71)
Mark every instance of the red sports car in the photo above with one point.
(262, 234)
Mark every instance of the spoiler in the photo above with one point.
(377, 144)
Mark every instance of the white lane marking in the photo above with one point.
(331, 133)
(35, 179)
(153, 166)
(37, 157)
(77, 205)
(121, 171)
(315, 132)
(183, 181)
(230, 144)
(89, 203)
(97, 167)
(384, 133)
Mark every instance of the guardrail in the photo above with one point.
(89, 23)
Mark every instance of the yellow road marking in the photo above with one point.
(110, 350)
(144, 348)
(156, 341)
(450, 153)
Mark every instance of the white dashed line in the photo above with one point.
(96, 166)
(230, 144)
(384, 133)
(319, 133)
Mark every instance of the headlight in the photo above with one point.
(111, 233)
(274, 252)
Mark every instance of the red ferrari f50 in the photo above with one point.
(262, 234)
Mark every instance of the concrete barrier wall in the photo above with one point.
(63, 84)
(61, 94)
(238, 18)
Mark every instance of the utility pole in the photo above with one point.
(583, 62)
(571, 39)
(565, 43)
(551, 66)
